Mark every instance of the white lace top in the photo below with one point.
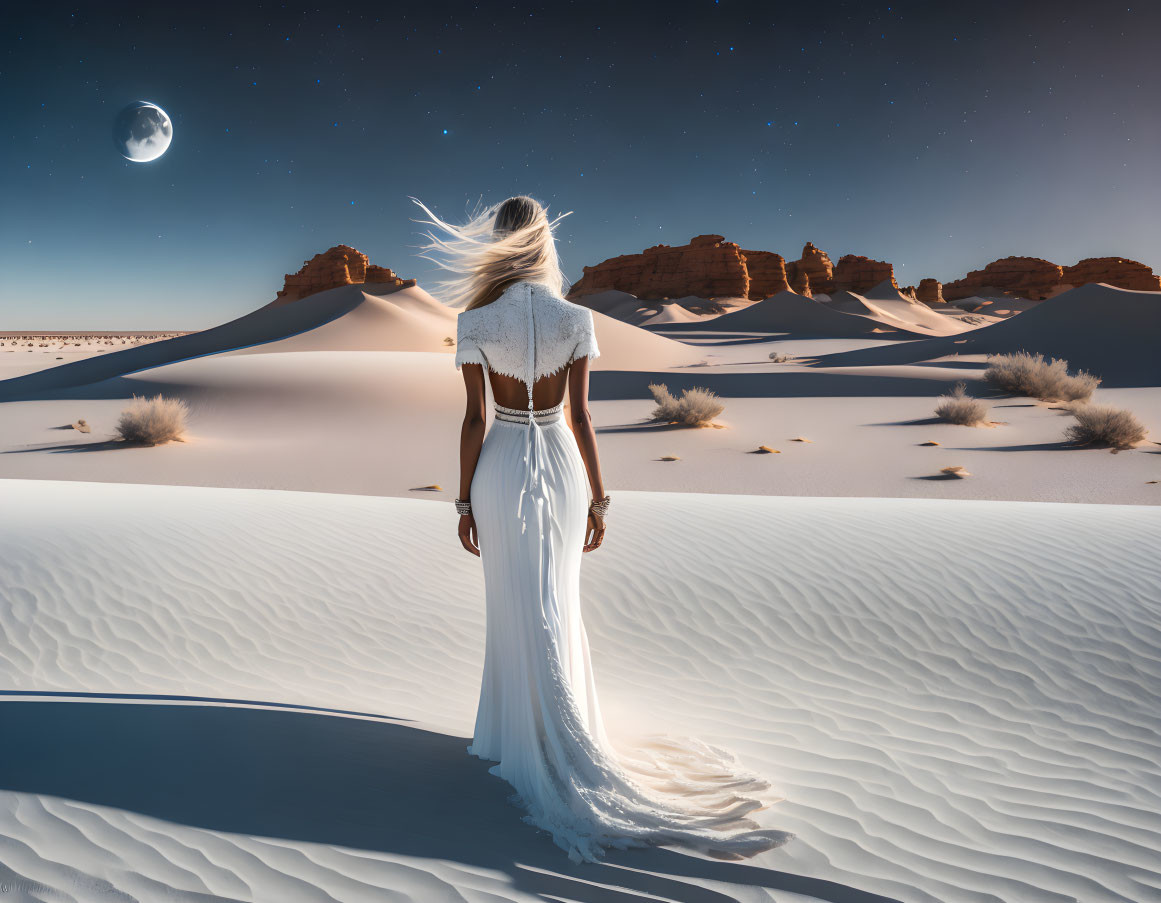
(527, 333)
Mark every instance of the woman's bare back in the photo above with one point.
(547, 392)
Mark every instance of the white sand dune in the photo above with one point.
(646, 311)
(405, 320)
(672, 312)
(627, 347)
(1109, 331)
(901, 313)
(993, 303)
(348, 318)
(951, 715)
(411, 320)
(789, 312)
(1006, 307)
(272, 323)
(891, 301)
(616, 304)
(884, 291)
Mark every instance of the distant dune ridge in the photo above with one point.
(1111, 332)
(842, 314)
(271, 323)
(886, 303)
(792, 313)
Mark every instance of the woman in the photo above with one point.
(526, 511)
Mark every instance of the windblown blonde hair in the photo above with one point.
(507, 242)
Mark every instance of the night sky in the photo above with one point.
(937, 136)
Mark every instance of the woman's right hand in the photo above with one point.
(594, 532)
(468, 535)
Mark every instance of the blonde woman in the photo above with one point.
(531, 501)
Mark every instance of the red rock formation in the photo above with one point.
(340, 265)
(814, 264)
(801, 283)
(1028, 277)
(709, 267)
(1118, 271)
(857, 274)
(767, 273)
(377, 275)
(929, 291)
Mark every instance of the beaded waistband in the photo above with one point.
(516, 415)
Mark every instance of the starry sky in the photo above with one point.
(937, 136)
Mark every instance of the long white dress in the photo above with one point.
(538, 714)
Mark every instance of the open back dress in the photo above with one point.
(538, 715)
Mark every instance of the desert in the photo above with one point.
(335, 415)
(860, 308)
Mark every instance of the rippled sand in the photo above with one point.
(959, 700)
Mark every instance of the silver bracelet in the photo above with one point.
(463, 506)
(600, 507)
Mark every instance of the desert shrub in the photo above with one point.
(695, 407)
(780, 357)
(152, 421)
(960, 408)
(1104, 425)
(1029, 374)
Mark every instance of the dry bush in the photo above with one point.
(152, 421)
(960, 408)
(695, 407)
(779, 357)
(1030, 375)
(666, 404)
(1104, 425)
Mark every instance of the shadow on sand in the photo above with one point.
(646, 426)
(71, 448)
(366, 784)
(619, 385)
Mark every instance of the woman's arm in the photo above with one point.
(471, 441)
(581, 423)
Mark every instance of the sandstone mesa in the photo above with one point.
(711, 267)
(340, 265)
